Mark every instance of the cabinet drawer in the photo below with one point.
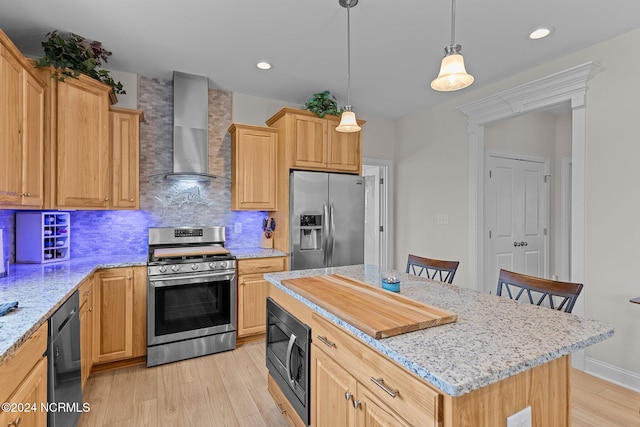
(15, 369)
(261, 265)
(416, 401)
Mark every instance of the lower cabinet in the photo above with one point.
(28, 369)
(353, 385)
(119, 314)
(253, 291)
(86, 328)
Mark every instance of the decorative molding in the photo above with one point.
(565, 86)
(539, 94)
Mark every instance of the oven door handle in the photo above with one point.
(155, 282)
(292, 340)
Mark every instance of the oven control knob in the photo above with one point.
(162, 269)
(194, 266)
(212, 265)
(223, 264)
(175, 268)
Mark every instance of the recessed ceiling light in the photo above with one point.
(263, 65)
(540, 33)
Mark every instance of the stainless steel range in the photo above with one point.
(191, 304)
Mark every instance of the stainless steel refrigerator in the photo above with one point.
(327, 219)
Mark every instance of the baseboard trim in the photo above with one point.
(614, 374)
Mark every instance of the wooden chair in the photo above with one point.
(553, 291)
(432, 268)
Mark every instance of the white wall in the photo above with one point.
(130, 85)
(432, 165)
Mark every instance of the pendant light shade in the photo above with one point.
(453, 75)
(348, 122)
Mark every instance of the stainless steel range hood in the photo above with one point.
(190, 129)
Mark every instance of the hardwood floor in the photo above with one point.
(230, 389)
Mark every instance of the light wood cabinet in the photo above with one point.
(86, 328)
(253, 167)
(125, 145)
(253, 291)
(312, 143)
(79, 169)
(24, 380)
(21, 130)
(118, 310)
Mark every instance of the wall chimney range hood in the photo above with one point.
(190, 129)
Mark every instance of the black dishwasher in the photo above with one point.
(63, 352)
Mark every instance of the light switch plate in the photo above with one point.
(237, 228)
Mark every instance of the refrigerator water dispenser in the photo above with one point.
(310, 232)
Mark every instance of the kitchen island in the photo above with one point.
(498, 358)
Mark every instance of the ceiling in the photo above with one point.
(396, 47)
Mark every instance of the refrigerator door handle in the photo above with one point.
(325, 234)
(332, 231)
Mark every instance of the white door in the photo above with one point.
(378, 212)
(517, 213)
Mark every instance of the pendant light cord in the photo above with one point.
(453, 22)
(348, 106)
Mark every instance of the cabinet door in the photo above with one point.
(253, 291)
(33, 142)
(125, 142)
(86, 328)
(139, 311)
(83, 161)
(11, 72)
(33, 390)
(310, 142)
(113, 315)
(344, 151)
(333, 392)
(372, 413)
(253, 168)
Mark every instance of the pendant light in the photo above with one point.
(348, 121)
(453, 75)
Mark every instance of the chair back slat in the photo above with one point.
(566, 293)
(435, 269)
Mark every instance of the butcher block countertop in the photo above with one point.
(493, 338)
(376, 312)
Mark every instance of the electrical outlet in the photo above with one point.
(520, 419)
(442, 219)
(237, 228)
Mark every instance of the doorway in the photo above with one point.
(517, 205)
(378, 234)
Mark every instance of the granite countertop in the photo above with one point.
(246, 253)
(494, 337)
(41, 288)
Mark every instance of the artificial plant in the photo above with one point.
(323, 103)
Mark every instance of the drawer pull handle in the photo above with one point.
(380, 383)
(326, 342)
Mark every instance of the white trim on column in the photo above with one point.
(568, 85)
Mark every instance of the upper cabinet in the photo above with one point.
(253, 167)
(92, 160)
(79, 160)
(21, 130)
(312, 143)
(125, 144)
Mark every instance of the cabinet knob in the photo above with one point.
(348, 395)
(128, 277)
(106, 199)
(131, 200)
(356, 404)
(28, 194)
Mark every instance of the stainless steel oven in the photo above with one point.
(288, 356)
(191, 303)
